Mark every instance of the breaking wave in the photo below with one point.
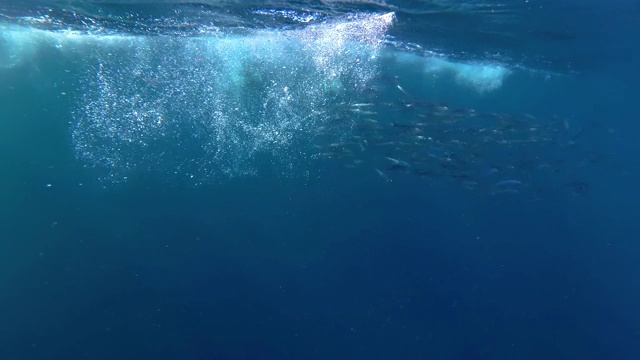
(219, 105)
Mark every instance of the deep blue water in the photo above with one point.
(330, 180)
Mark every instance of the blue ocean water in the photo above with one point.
(319, 180)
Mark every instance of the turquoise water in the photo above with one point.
(446, 180)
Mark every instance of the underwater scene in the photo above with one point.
(329, 179)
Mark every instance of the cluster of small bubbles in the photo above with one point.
(347, 48)
(207, 108)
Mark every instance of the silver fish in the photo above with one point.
(384, 176)
(398, 162)
(508, 183)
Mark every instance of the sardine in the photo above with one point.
(398, 162)
(401, 89)
(357, 105)
(508, 183)
(384, 176)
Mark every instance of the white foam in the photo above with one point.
(481, 76)
(202, 107)
(15, 47)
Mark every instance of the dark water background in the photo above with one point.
(338, 265)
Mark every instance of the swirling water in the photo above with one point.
(322, 179)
